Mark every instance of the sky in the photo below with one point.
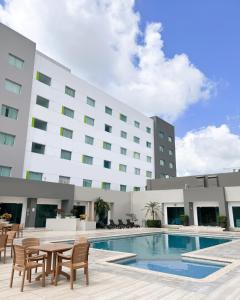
(176, 59)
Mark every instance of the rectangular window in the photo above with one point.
(107, 164)
(170, 139)
(87, 160)
(136, 155)
(91, 101)
(89, 140)
(170, 152)
(106, 185)
(69, 91)
(42, 101)
(67, 112)
(34, 176)
(108, 110)
(38, 148)
(15, 61)
(9, 112)
(149, 159)
(162, 162)
(136, 139)
(123, 118)
(64, 179)
(122, 168)
(161, 148)
(39, 124)
(148, 144)
(137, 124)
(137, 171)
(88, 120)
(148, 129)
(87, 183)
(161, 135)
(5, 171)
(149, 174)
(123, 134)
(123, 151)
(65, 154)
(107, 146)
(171, 165)
(7, 139)
(108, 128)
(136, 189)
(43, 78)
(13, 87)
(123, 188)
(68, 133)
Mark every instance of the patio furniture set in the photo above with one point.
(122, 225)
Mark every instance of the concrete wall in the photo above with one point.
(175, 183)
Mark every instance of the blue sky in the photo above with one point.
(208, 32)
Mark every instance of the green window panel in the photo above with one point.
(64, 179)
(34, 176)
(123, 134)
(7, 139)
(162, 162)
(89, 140)
(43, 78)
(148, 144)
(68, 133)
(87, 160)
(87, 183)
(122, 168)
(123, 188)
(9, 112)
(136, 139)
(136, 189)
(13, 87)
(170, 139)
(161, 148)
(170, 152)
(108, 128)
(107, 164)
(15, 61)
(5, 171)
(149, 174)
(123, 117)
(89, 120)
(38, 148)
(123, 151)
(107, 146)
(39, 124)
(69, 91)
(171, 165)
(137, 171)
(67, 112)
(108, 110)
(91, 101)
(136, 155)
(136, 124)
(161, 135)
(148, 129)
(106, 185)
(149, 159)
(65, 154)
(42, 101)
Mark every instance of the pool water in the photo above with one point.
(162, 252)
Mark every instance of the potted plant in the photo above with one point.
(6, 217)
(222, 221)
(83, 217)
(101, 209)
(153, 208)
(59, 212)
(184, 220)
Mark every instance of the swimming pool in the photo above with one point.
(162, 252)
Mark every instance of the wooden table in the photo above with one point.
(51, 249)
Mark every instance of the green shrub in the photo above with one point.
(153, 223)
(184, 220)
(222, 221)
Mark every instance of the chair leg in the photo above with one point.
(4, 260)
(86, 274)
(11, 251)
(71, 278)
(23, 279)
(29, 275)
(11, 280)
(74, 275)
(56, 275)
(43, 273)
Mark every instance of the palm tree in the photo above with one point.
(101, 208)
(152, 208)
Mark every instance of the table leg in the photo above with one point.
(48, 266)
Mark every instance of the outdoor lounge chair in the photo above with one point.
(131, 224)
(121, 224)
(112, 225)
(3, 243)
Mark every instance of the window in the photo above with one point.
(136, 139)
(171, 165)
(148, 129)
(123, 188)
(122, 168)
(108, 128)
(9, 112)
(106, 185)
(170, 139)
(108, 110)
(38, 148)
(136, 189)
(170, 152)
(87, 183)
(43, 78)
(137, 171)
(107, 164)
(87, 160)
(123, 134)
(162, 162)
(7, 139)
(148, 144)
(66, 132)
(69, 91)
(91, 101)
(64, 179)
(34, 176)
(161, 148)
(15, 61)
(123, 151)
(5, 171)
(67, 112)
(136, 155)
(161, 135)
(66, 154)
(39, 124)
(107, 146)
(89, 140)
(136, 124)
(42, 101)
(88, 120)
(149, 159)
(123, 118)
(149, 174)
(13, 87)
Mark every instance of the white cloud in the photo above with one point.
(98, 40)
(208, 150)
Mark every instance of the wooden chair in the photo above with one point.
(21, 228)
(1, 228)
(27, 243)
(3, 242)
(78, 259)
(15, 227)
(23, 263)
(80, 239)
(10, 238)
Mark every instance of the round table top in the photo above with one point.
(52, 247)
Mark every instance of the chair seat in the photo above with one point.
(69, 264)
(2, 249)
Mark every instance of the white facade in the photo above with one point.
(51, 165)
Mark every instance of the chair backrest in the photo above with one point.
(11, 236)
(111, 222)
(19, 255)
(30, 242)
(80, 253)
(15, 227)
(128, 221)
(80, 239)
(1, 226)
(3, 240)
(120, 221)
